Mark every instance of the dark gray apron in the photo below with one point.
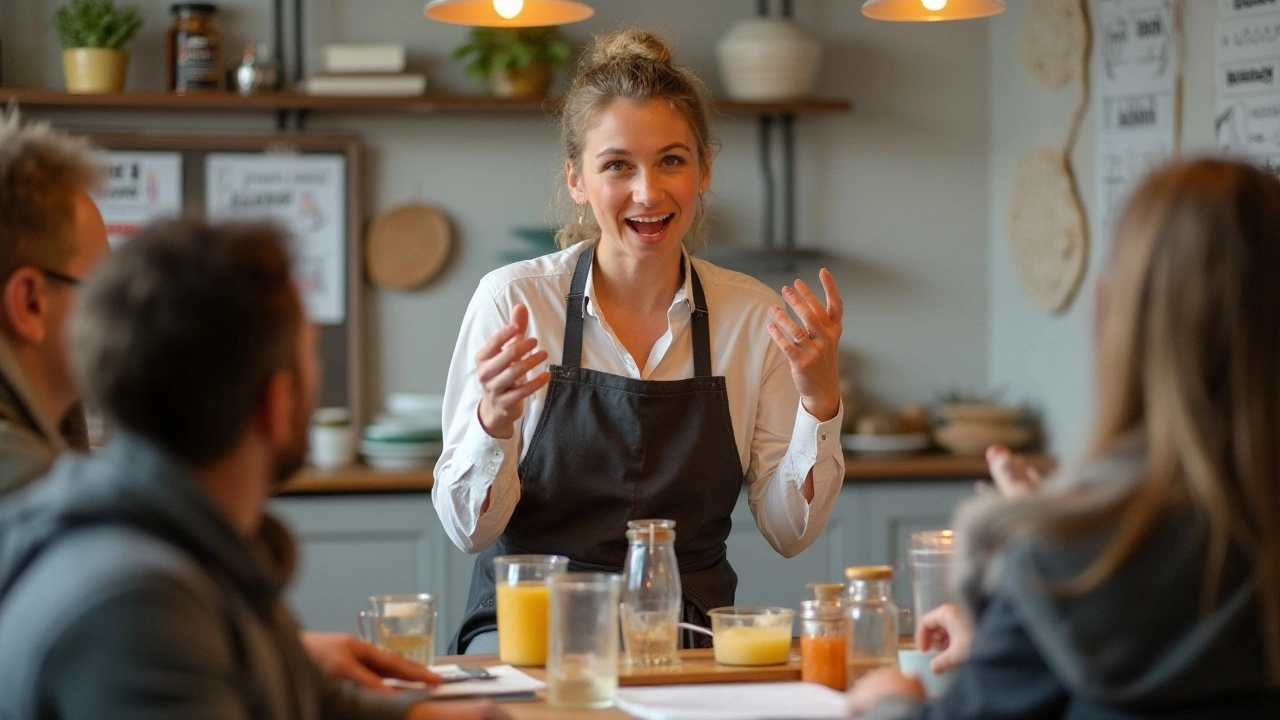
(608, 449)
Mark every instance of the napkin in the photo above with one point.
(733, 701)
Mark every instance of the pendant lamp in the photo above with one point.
(507, 13)
(931, 10)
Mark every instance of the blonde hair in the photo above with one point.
(632, 65)
(41, 171)
(1189, 356)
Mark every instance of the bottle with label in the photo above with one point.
(193, 63)
(651, 594)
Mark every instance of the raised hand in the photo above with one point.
(812, 346)
(1013, 475)
(503, 364)
(945, 629)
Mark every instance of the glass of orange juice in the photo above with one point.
(523, 598)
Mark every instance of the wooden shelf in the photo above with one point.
(291, 102)
(857, 469)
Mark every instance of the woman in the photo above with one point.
(1146, 582)
(665, 393)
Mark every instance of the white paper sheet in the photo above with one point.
(1136, 66)
(733, 701)
(139, 187)
(1247, 82)
(306, 195)
(507, 681)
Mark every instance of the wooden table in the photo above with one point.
(696, 666)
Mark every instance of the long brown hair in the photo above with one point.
(1189, 357)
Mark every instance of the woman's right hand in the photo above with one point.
(947, 630)
(502, 365)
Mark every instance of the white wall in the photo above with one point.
(1047, 360)
(897, 189)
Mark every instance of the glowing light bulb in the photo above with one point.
(930, 5)
(511, 8)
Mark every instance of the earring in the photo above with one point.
(582, 214)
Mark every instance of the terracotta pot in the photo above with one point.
(529, 82)
(94, 70)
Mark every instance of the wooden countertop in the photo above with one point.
(857, 469)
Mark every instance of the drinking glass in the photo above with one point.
(403, 624)
(520, 583)
(929, 554)
(582, 665)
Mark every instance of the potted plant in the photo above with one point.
(93, 33)
(514, 62)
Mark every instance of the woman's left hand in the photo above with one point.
(812, 346)
(879, 685)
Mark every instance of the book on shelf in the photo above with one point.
(366, 84)
(367, 58)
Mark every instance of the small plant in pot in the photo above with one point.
(514, 62)
(93, 34)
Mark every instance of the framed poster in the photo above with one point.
(308, 184)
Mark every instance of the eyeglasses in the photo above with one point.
(60, 277)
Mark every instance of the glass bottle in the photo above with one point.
(824, 643)
(872, 619)
(192, 51)
(651, 594)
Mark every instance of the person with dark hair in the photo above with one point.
(1145, 581)
(147, 580)
(51, 236)
(673, 382)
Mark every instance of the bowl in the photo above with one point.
(752, 635)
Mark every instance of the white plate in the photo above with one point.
(896, 443)
(395, 463)
(401, 449)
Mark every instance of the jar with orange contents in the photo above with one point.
(824, 643)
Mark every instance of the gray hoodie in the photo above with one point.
(124, 592)
(1140, 645)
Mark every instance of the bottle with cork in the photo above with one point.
(824, 644)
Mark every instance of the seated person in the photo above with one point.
(1144, 583)
(146, 580)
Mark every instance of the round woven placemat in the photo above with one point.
(407, 246)
(1055, 36)
(1047, 232)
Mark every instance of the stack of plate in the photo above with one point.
(407, 436)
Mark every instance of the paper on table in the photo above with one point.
(733, 701)
(507, 681)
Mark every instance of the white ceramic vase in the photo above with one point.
(765, 59)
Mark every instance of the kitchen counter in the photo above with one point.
(857, 469)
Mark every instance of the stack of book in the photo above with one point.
(365, 70)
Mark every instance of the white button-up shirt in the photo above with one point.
(778, 441)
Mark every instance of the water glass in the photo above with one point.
(929, 554)
(582, 666)
(520, 584)
(403, 624)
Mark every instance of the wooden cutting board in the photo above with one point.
(696, 667)
(407, 246)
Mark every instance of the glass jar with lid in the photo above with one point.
(192, 51)
(824, 643)
(872, 619)
(652, 598)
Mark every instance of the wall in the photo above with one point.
(1041, 359)
(896, 190)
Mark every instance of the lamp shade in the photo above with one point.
(507, 13)
(920, 10)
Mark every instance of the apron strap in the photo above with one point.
(575, 312)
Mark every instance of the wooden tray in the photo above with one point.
(696, 666)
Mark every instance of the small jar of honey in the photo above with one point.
(824, 644)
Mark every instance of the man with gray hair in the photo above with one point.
(51, 236)
(147, 579)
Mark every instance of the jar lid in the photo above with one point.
(826, 591)
(868, 572)
(205, 8)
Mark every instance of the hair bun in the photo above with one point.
(629, 44)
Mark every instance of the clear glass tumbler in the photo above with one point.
(929, 554)
(403, 624)
(520, 583)
(582, 665)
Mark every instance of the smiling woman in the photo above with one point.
(671, 380)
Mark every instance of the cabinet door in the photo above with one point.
(885, 512)
(353, 546)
